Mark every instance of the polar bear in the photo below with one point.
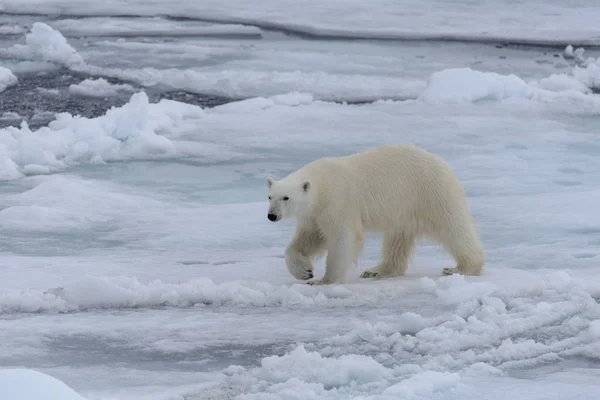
(401, 191)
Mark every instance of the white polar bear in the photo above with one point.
(402, 191)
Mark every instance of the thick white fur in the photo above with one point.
(401, 191)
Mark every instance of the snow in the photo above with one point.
(98, 88)
(26, 384)
(7, 78)
(136, 259)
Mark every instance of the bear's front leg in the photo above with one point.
(340, 254)
(308, 242)
(298, 265)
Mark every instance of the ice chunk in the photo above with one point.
(589, 74)
(7, 78)
(132, 131)
(98, 88)
(562, 82)
(422, 385)
(463, 85)
(43, 43)
(314, 368)
(27, 384)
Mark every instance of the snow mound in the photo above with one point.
(589, 73)
(6, 79)
(422, 385)
(27, 384)
(465, 85)
(301, 374)
(98, 88)
(43, 43)
(125, 292)
(132, 131)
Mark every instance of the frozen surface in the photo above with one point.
(555, 21)
(136, 259)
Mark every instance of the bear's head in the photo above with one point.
(287, 198)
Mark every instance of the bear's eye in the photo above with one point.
(269, 197)
(286, 198)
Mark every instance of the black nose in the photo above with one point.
(272, 217)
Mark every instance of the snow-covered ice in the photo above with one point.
(136, 259)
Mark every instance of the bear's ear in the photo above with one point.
(305, 186)
(270, 182)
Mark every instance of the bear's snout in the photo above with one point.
(272, 217)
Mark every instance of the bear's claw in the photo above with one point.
(450, 271)
(307, 276)
(369, 274)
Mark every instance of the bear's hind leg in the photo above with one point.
(308, 242)
(463, 243)
(396, 252)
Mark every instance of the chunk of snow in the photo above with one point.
(462, 85)
(6, 79)
(589, 74)
(127, 132)
(455, 289)
(313, 368)
(568, 52)
(98, 88)
(562, 82)
(43, 43)
(422, 385)
(10, 116)
(27, 384)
